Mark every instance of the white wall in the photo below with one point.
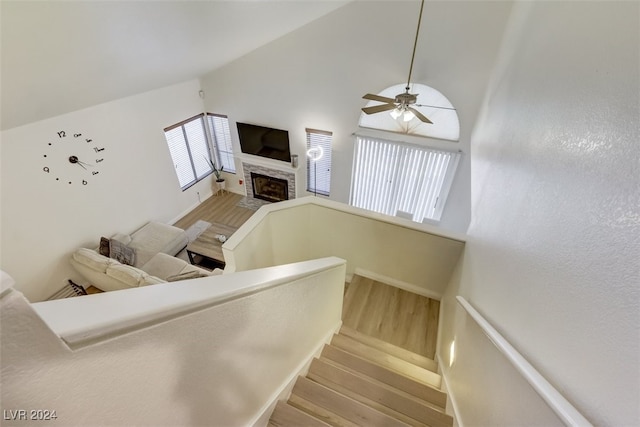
(170, 367)
(44, 221)
(316, 76)
(417, 257)
(553, 258)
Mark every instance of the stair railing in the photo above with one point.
(561, 406)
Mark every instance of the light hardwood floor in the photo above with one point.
(391, 314)
(221, 208)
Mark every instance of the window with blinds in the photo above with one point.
(189, 145)
(319, 161)
(400, 179)
(221, 138)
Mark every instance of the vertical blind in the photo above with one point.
(399, 179)
(221, 136)
(319, 171)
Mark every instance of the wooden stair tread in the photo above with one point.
(394, 350)
(386, 360)
(386, 376)
(317, 411)
(387, 399)
(286, 415)
(342, 410)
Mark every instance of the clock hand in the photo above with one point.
(75, 160)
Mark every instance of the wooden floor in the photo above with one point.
(221, 208)
(391, 314)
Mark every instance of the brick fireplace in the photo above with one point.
(268, 184)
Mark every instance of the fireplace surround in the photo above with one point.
(278, 177)
(269, 188)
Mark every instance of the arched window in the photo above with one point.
(431, 103)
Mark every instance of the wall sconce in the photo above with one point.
(452, 353)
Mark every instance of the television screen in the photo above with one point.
(264, 141)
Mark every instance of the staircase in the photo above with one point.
(362, 381)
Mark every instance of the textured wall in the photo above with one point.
(220, 365)
(553, 255)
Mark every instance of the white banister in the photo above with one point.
(81, 321)
(561, 406)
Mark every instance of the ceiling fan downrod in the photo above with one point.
(415, 44)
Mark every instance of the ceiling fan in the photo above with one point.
(403, 103)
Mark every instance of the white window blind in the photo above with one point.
(180, 155)
(319, 161)
(189, 149)
(221, 136)
(402, 180)
(189, 144)
(197, 144)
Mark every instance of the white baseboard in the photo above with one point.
(398, 284)
(189, 209)
(452, 406)
(262, 419)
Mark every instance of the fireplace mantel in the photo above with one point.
(267, 163)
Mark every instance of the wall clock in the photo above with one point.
(73, 158)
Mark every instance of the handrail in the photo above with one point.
(112, 313)
(561, 406)
(557, 402)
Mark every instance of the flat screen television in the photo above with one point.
(264, 141)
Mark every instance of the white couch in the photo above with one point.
(154, 246)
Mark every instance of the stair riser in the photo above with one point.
(406, 355)
(286, 415)
(391, 378)
(341, 405)
(388, 361)
(319, 412)
(386, 397)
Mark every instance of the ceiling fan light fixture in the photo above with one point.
(402, 104)
(408, 116)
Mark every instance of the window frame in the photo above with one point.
(216, 145)
(190, 141)
(319, 136)
(189, 150)
(424, 190)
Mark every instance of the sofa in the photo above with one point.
(146, 257)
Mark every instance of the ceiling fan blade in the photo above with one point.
(419, 115)
(434, 106)
(379, 108)
(379, 98)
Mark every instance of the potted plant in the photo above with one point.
(220, 182)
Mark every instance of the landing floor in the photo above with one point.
(391, 314)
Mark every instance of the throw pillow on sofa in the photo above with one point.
(103, 249)
(121, 252)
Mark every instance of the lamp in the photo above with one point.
(314, 154)
(395, 113)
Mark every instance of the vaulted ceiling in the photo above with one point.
(62, 56)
